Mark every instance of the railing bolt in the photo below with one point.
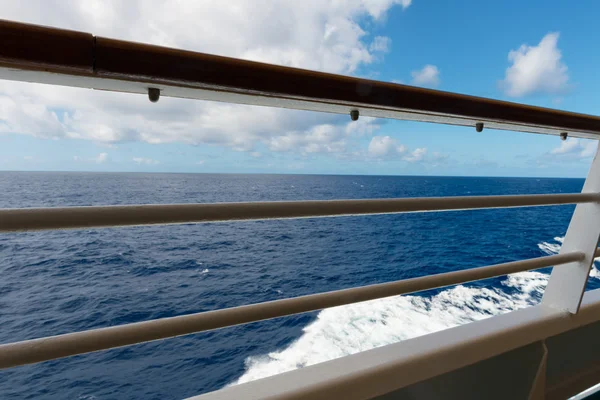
(564, 135)
(479, 126)
(153, 94)
(354, 115)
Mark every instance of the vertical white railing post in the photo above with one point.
(567, 283)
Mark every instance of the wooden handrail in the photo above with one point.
(49, 55)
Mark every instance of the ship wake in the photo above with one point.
(349, 329)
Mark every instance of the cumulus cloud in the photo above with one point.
(566, 147)
(588, 149)
(429, 75)
(380, 43)
(416, 155)
(101, 158)
(437, 159)
(145, 161)
(384, 146)
(575, 149)
(378, 8)
(315, 34)
(536, 69)
(323, 138)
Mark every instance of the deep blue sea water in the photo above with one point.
(63, 281)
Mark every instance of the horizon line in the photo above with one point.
(293, 174)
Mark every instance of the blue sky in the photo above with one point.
(536, 52)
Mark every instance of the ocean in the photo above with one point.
(62, 281)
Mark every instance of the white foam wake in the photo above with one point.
(553, 248)
(345, 330)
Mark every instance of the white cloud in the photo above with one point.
(429, 75)
(145, 161)
(200, 162)
(28, 158)
(315, 34)
(588, 149)
(567, 146)
(536, 69)
(388, 148)
(575, 149)
(101, 158)
(416, 155)
(323, 138)
(438, 159)
(381, 44)
(384, 146)
(76, 158)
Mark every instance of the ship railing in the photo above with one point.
(53, 56)
(49, 348)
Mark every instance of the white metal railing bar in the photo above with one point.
(49, 348)
(29, 219)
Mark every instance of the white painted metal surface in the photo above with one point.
(566, 285)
